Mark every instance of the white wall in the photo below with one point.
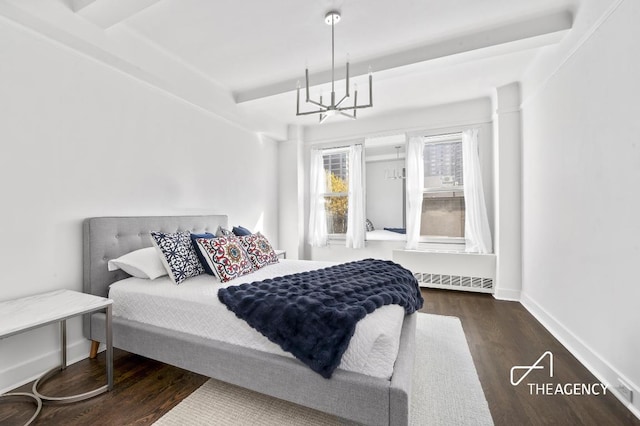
(507, 242)
(81, 139)
(290, 184)
(581, 210)
(384, 196)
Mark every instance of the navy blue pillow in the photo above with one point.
(240, 231)
(201, 258)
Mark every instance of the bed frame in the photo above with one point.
(349, 395)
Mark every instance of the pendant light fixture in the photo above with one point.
(334, 108)
(396, 173)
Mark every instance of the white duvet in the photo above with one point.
(193, 307)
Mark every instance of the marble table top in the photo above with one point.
(25, 313)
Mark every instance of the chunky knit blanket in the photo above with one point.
(313, 314)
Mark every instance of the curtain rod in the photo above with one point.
(444, 135)
(337, 148)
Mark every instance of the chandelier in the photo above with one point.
(396, 173)
(334, 108)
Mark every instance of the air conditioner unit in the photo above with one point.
(447, 180)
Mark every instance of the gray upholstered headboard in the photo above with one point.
(106, 238)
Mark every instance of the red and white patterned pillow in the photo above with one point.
(259, 249)
(226, 256)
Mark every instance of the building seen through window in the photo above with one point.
(443, 206)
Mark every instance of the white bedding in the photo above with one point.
(384, 235)
(193, 307)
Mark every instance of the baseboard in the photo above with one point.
(18, 375)
(596, 364)
(505, 294)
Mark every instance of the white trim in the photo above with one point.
(443, 138)
(329, 145)
(437, 128)
(14, 376)
(425, 240)
(444, 189)
(109, 14)
(510, 110)
(585, 37)
(594, 362)
(338, 150)
(440, 129)
(506, 294)
(456, 288)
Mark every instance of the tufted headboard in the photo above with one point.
(106, 238)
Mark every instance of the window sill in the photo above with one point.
(441, 240)
(423, 239)
(447, 244)
(336, 239)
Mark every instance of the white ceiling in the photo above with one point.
(423, 52)
(250, 44)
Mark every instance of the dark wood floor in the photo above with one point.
(503, 334)
(500, 335)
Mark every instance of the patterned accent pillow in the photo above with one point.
(369, 226)
(201, 257)
(223, 232)
(226, 257)
(259, 249)
(178, 255)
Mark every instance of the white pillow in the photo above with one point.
(143, 263)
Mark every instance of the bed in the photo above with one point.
(384, 235)
(348, 394)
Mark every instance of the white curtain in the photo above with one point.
(415, 187)
(355, 210)
(476, 224)
(318, 236)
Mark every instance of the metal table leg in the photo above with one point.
(21, 396)
(63, 365)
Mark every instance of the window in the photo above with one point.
(336, 166)
(443, 206)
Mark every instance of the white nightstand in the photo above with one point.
(282, 254)
(27, 313)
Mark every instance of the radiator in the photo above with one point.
(450, 270)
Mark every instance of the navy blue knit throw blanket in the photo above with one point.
(314, 314)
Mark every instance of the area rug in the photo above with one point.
(446, 390)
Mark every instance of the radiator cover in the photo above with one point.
(450, 270)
